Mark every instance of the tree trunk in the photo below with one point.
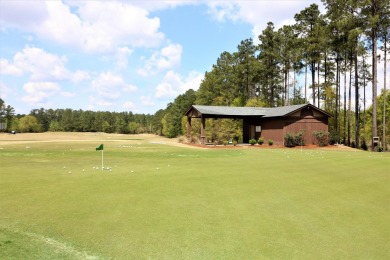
(318, 85)
(364, 95)
(349, 104)
(374, 86)
(294, 84)
(285, 87)
(384, 144)
(357, 123)
(337, 96)
(345, 101)
(313, 81)
(306, 82)
(339, 105)
(288, 88)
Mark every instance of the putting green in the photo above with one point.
(166, 201)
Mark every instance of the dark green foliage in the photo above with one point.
(322, 137)
(7, 114)
(252, 141)
(333, 137)
(364, 145)
(292, 140)
(172, 120)
(260, 141)
(270, 142)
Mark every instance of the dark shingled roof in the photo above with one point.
(224, 111)
(230, 111)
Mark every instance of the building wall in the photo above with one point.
(277, 128)
(271, 128)
(307, 124)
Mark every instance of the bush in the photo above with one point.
(234, 142)
(253, 141)
(292, 140)
(260, 141)
(322, 137)
(225, 143)
(270, 142)
(289, 140)
(299, 138)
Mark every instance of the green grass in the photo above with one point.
(166, 202)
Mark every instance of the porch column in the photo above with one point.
(189, 129)
(202, 131)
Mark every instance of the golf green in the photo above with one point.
(158, 200)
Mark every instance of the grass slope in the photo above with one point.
(167, 202)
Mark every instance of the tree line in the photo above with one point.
(328, 59)
(69, 120)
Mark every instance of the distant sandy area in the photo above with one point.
(6, 138)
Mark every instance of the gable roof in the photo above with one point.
(238, 112)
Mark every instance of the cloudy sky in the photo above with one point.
(121, 55)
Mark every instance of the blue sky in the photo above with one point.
(121, 55)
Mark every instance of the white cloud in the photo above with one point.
(121, 57)
(40, 92)
(40, 66)
(128, 105)
(129, 88)
(110, 85)
(100, 102)
(147, 101)
(22, 14)
(93, 26)
(7, 68)
(67, 94)
(173, 84)
(259, 13)
(163, 4)
(167, 58)
(222, 11)
(79, 76)
(4, 91)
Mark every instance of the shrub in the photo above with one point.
(234, 142)
(299, 138)
(289, 140)
(260, 141)
(225, 143)
(322, 137)
(253, 141)
(270, 142)
(292, 140)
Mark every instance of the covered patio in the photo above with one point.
(272, 123)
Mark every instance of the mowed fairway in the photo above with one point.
(164, 201)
